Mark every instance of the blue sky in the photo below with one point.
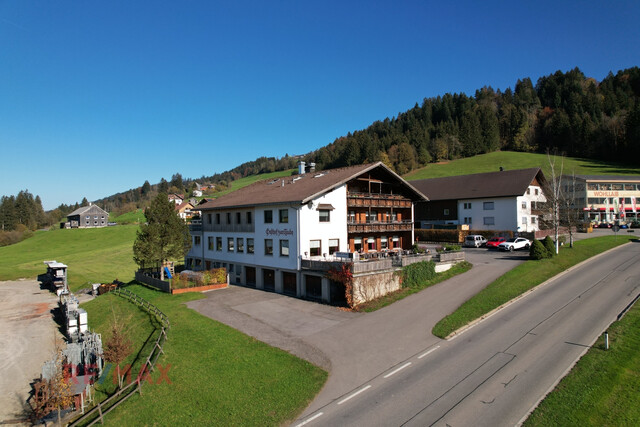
(96, 97)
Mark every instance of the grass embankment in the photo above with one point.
(93, 255)
(133, 217)
(522, 278)
(405, 292)
(243, 182)
(510, 160)
(218, 375)
(602, 389)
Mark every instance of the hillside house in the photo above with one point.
(87, 217)
(503, 200)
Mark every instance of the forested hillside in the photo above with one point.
(567, 112)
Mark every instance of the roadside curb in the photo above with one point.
(482, 318)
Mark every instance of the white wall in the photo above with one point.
(312, 229)
(504, 213)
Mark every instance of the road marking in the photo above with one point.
(310, 419)
(354, 394)
(397, 370)
(428, 352)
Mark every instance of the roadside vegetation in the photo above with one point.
(522, 278)
(216, 375)
(602, 389)
(415, 282)
(93, 255)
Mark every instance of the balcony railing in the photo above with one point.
(378, 226)
(377, 200)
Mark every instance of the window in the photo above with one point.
(487, 206)
(217, 218)
(249, 245)
(238, 218)
(371, 244)
(334, 245)
(528, 190)
(524, 219)
(210, 242)
(630, 187)
(249, 219)
(208, 218)
(231, 266)
(445, 212)
(524, 205)
(324, 215)
(533, 220)
(384, 243)
(268, 246)
(315, 248)
(284, 248)
(88, 217)
(196, 240)
(95, 217)
(240, 244)
(283, 216)
(352, 216)
(489, 220)
(230, 245)
(617, 187)
(357, 244)
(373, 216)
(102, 217)
(467, 205)
(467, 220)
(228, 218)
(268, 217)
(536, 191)
(218, 243)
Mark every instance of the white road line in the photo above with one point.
(397, 370)
(310, 419)
(428, 352)
(354, 394)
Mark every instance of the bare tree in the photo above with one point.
(118, 346)
(554, 194)
(570, 210)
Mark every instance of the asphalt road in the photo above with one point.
(497, 371)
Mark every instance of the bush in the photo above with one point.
(538, 251)
(413, 275)
(550, 246)
(437, 235)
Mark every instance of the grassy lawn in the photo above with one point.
(522, 278)
(93, 255)
(405, 292)
(218, 375)
(602, 389)
(133, 217)
(243, 182)
(510, 160)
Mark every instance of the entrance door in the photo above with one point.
(269, 279)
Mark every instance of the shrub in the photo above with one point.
(417, 249)
(538, 251)
(550, 246)
(437, 235)
(414, 274)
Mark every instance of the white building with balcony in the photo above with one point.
(273, 234)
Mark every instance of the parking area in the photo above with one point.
(27, 340)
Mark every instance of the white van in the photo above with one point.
(474, 241)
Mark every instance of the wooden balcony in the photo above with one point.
(377, 200)
(381, 227)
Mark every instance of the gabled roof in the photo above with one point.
(300, 189)
(183, 205)
(81, 210)
(479, 185)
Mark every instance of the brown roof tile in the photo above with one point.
(479, 185)
(300, 189)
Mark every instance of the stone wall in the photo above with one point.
(374, 285)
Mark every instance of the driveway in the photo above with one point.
(26, 342)
(353, 347)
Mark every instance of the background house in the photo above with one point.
(504, 200)
(87, 217)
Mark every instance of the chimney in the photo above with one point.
(301, 170)
(312, 167)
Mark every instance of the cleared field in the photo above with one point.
(510, 160)
(93, 255)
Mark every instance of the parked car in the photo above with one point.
(474, 241)
(515, 244)
(495, 241)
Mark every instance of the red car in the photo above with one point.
(494, 242)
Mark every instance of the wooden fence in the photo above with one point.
(109, 404)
